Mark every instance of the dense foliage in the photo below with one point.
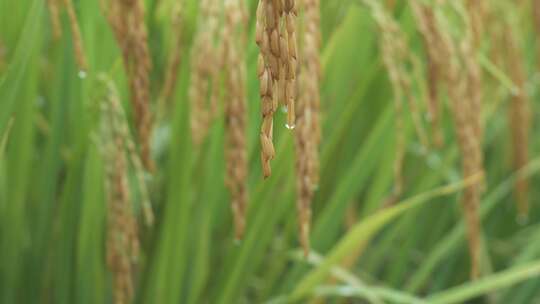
(68, 129)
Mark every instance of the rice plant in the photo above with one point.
(269, 151)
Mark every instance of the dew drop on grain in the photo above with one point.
(290, 127)
(82, 74)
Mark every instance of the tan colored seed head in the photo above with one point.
(459, 71)
(234, 45)
(127, 21)
(308, 130)
(275, 35)
(397, 57)
(122, 238)
(174, 60)
(425, 19)
(519, 114)
(54, 15)
(205, 66)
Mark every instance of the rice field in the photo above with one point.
(269, 151)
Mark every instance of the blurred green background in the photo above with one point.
(53, 203)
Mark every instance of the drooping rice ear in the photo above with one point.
(519, 116)
(276, 37)
(268, 74)
(308, 130)
(234, 44)
(475, 15)
(290, 59)
(78, 46)
(54, 15)
(122, 236)
(122, 128)
(425, 19)
(397, 57)
(457, 58)
(391, 4)
(127, 22)
(205, 65)
(174, 60)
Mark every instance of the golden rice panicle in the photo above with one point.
(276, 38)
(54, 16)
(234, 45)
(425, 17)
(389, 60)
(396, 58)
(308, 130)
(122, 239)
(289, 57)
(470, 149)
(173, 62)
(205, 64)
(536, 22)
(127, 21)
(519, 116)
(456, 75)
(80, 55)
(134, 160)
(391, 5)
(477, 14)
(472, 45)
(268, 40)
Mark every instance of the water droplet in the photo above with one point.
(290, 127)
(82, 74)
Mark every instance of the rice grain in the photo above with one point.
(122, 240)
(205, 65)
(126, 18)
(80, 55)
(308, 131)
(234, 45)
(54, 16)
(519, 117)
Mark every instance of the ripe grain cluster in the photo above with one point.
(55, 9)
(54, 15)
(397, 58)
(425, 18)
(122, 228)
(235, 99)
(308, 130)
(275, 35)
(175, 56)
(456, 59)
(128, 24)
(519, 114)
(205, 66)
